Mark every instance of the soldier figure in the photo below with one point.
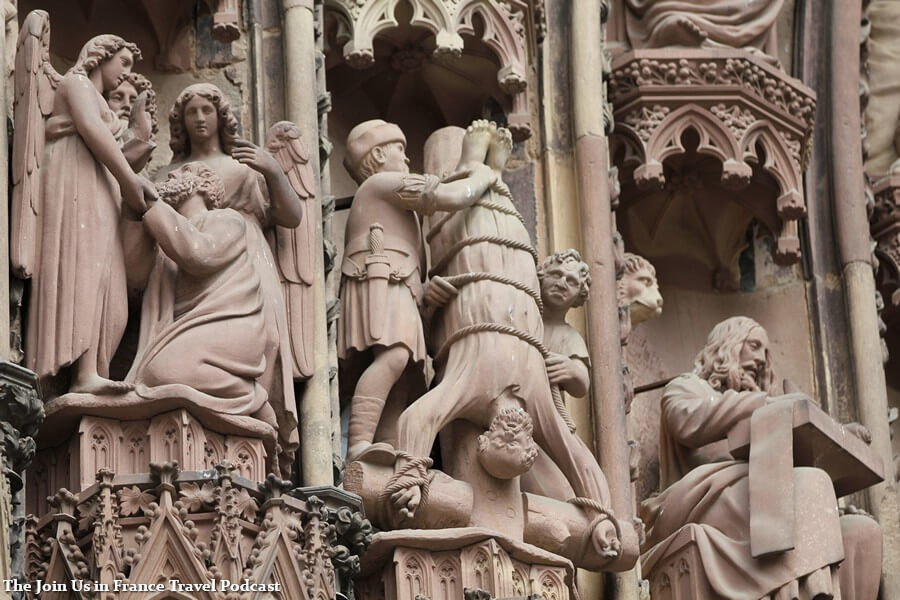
(380, 334)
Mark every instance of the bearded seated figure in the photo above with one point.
(203, 329)
(737, 529)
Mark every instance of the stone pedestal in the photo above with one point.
(456, 563)
(128, 447)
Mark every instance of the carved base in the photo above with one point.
(127, 447)
(409, 564)
(202, 535)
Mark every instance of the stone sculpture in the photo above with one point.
(487, 334)
(67, 205)
(134, 102)
(703, 23)
(638, 289)
(380, 335)
(203, 325)
(760, 528)
(565, 283)
(269, 190)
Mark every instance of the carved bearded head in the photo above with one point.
(639, 289)
(736, 357)
(507, 449)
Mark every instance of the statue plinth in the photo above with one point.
(406, 564)
(130, 446)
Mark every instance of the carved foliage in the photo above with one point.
(885, 227)
(170, 526)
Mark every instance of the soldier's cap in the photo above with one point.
(366, 136)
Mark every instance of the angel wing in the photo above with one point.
(35, 87)
(295, 248)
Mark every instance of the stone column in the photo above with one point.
(5, 94)
(597, 222)
(852, 225)
(301, 108)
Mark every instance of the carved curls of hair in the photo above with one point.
(719, 362)
(98, 50)
(142, 84)
(228, 126)
(584, 271)
(193, 178)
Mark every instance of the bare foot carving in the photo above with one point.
(499, 150)
(605, 539)
(476, 142)
(95, 384)
(680, 31)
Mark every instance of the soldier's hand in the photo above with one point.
(439, 292)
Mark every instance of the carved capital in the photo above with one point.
(885, 227)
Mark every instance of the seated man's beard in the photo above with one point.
(175, 191)
(749, 380)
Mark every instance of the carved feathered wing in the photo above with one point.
(35, 87)
(295, 248)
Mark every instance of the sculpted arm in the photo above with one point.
(285, 209)
(425, 194)
(81, 98)
(696, 415)
(196, 252)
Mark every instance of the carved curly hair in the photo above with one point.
(584, 271)
(192, 178)
(99, 50)
(719, 362)
(228, 126)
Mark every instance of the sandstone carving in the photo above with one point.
(482, 309)
(703, 23)
(507, 30)
(380, 336)
(759, 527)
(66, 160)
(134, 102)
(638, 289)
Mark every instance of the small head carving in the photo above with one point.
(192, 179)
(639, 289)
(736, 357)
(225, 123)
(121, 100)
(507, 449)
(375, 146)
(565, 280)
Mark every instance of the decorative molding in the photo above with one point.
(196, 527)
(748, 115)
(885, 228)
(510, 29)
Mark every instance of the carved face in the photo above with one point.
(561, 284)
(201, 121)
(392, 157)
(507, 449)
(641, 290)
(122, 99)
(753, 354)
(114, 70)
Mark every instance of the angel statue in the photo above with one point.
(71, 180)
(271, 190)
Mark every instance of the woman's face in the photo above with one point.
(114, 70)
(201, 121)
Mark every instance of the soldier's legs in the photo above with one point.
(371, 391)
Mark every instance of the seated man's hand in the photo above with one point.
(860, 431)
(439, 292)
